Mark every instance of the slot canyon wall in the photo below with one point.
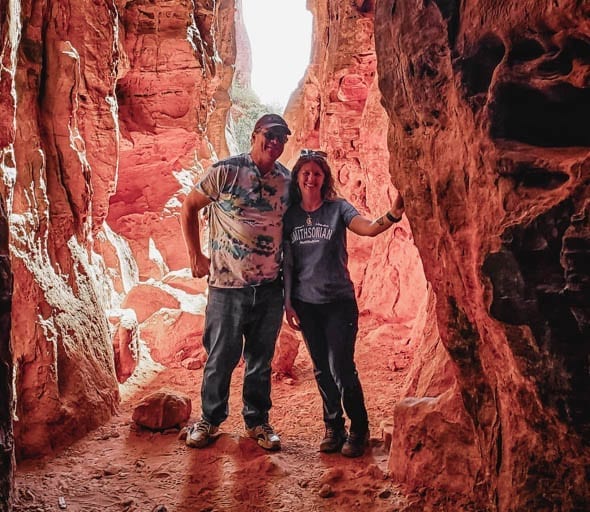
(475, 112)
(337, 109)
(488, 105)
(59, 166)
(6, 390)
(6, 363)
(109, 110)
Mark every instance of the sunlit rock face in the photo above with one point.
(337, 109)
(488, 108)
(107, 109)
(125, 335)
(63, 151)
(170, 73)
(243, 70)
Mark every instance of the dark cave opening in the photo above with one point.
(477, 70)
(527, 175)
(531, 277)
(554, 117)
(525, 50)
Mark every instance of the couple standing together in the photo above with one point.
(266, 222)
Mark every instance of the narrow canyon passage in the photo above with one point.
(121, 467)
(475, 112)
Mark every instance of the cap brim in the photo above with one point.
(277, 125)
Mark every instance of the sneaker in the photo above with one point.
(355, 444)
(333, 440)
(200, 434)
(265, 435)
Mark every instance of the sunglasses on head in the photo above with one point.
(276, 135)
(313, 153)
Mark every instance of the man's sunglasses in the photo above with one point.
(278, 136)
(312, 153)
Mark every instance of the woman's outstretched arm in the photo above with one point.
(366, 227)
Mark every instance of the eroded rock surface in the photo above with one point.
(477, 112)
(487, 106)
(167, 92)
(337, 109)
(64, 153)
(108, 106)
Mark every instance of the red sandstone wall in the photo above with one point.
(107, 109)
(337, 109)
(175, 71)
(483, 131)
(65, 155)
(488, 106)
(7, 66)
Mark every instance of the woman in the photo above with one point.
(319, 294)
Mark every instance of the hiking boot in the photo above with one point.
(200, 434)
(355, 444)
(333, 440)
(265, 435)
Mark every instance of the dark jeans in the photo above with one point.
(330, 333)
(240, 321)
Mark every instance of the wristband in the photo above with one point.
(391, 218)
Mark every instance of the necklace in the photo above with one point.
(309, 219)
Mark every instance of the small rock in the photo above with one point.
(27, 494)
(107, 435)
(111, 470)
(61, 501)
(162, 410)
(331, 476)
(384, 494)
(386, 434)
(326, 491)
(374, 472)
(192, 363)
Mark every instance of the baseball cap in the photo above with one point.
(271, 121)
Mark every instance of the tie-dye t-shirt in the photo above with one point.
(245, 221)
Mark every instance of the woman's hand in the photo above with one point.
(397, 207)
(292, 318)
(365, 227)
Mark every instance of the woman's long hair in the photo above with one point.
(328, 190)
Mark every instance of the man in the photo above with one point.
(247, 197)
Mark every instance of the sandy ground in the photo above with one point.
(121, 467)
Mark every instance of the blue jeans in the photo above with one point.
(329, 331)
(240, 321)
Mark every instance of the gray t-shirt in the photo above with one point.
(316, 245)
